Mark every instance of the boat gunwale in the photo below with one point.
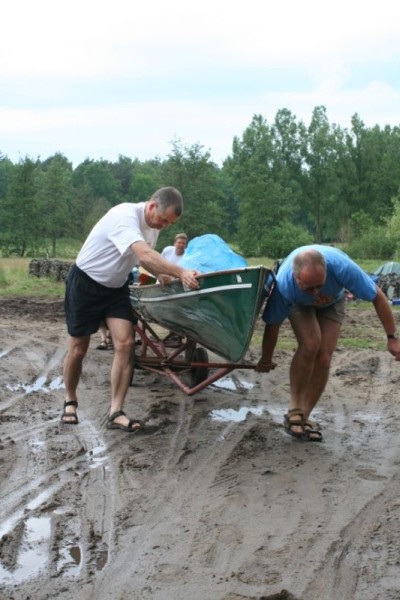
(139, 297)
(203, 276)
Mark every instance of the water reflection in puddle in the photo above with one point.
(8, 524)
(35, 551)
(229, 383)
(101, 559)
(37, 386)
(229, 414)
(70, 559)
(96, 456)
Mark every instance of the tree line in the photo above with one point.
(284, 184)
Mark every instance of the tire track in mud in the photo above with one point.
(339, 570)
(349, 561)
(211, 476)
(38, 513)
(50, 497)
(176, 514)
(39, 363)
(200, 509)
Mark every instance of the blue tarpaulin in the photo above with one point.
(208, 253)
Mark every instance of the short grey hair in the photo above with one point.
(167, 197)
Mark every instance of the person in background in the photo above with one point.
(310, 290)
(105, 337)
(175, 253)
(97, 290)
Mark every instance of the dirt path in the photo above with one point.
(215, 501)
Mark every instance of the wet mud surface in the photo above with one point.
(213, 501)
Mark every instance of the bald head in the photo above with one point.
(309, 270)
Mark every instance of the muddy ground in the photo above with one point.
(213, 501)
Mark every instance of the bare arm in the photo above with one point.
(153, 262)
(385, 314)
(270, 338)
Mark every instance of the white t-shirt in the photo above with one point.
(169, 254)
(107, 256)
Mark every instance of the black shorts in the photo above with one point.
(87, 303)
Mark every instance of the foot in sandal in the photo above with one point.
(102, 346)
(69, 417)
(132, 426)
(312, 431)
(294, 423)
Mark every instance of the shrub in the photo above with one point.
(281, 239)
(372, 244)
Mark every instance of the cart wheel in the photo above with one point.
(199, 374)
(191, 347)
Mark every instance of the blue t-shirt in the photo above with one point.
(342, 274)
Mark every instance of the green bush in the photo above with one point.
(372, 244)
(281, 239)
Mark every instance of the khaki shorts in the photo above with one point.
(334, 312)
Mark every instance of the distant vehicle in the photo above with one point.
(388, 268)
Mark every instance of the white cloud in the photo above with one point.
(88, 38)
(97, 79)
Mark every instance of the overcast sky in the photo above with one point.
(95, 79)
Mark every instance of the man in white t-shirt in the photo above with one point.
(97, 290)
(175, 253)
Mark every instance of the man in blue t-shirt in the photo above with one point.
(310, 291)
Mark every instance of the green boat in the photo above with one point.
(220, 315)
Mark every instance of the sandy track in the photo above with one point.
(214, 501)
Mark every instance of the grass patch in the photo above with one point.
(15, 280)
(361, 343)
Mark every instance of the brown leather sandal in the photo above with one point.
(72, 417)
(133, 425)
(312, 431)
(290, 422)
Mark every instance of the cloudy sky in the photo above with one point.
(95, 79)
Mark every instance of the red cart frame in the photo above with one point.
(172, 356)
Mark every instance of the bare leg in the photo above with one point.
(77, 349)
(309, 371)
(330, 331)
(121, 371)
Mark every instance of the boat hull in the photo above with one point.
(220, 315)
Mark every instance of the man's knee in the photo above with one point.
(310, 347)
(323, 360)
(124, 346)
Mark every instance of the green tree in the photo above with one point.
(55, 194)
(6, 170)
(190, 170)
(374, 176)
(21, 212)
(288, 139)
(265, 206)
(321, 185)
(142, 186)
(98, 179)
(260, 177)
(393, 227)
(95, 192)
